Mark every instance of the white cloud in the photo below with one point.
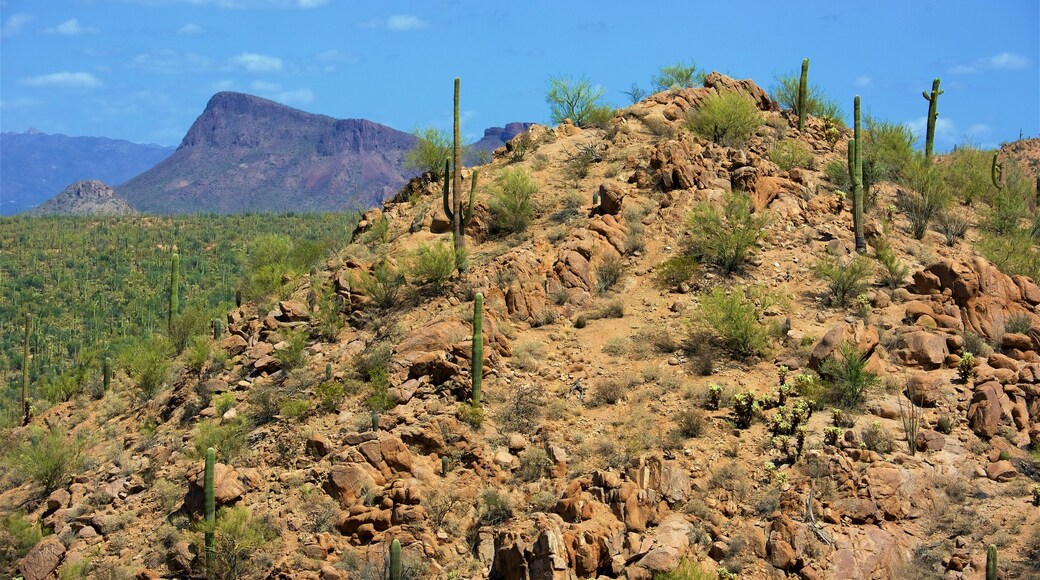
(239, 4)
(63, 80)
(863, 82)
(14, 24)
(223, 85)
(1002, 61)
(169, 61)
(396, 22)
(274, 92)
(71, 27)
(253, 62)
(948, 133)
(264, 86)
(338, 56)
(190, 29)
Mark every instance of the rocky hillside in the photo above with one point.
(620, 435)
(85, 198)
(34, 165)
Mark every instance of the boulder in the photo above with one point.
(227, 486)
(42, 560)
(347, 483)
(928, 440)
(984, 412)
(1001, 471)
(923, 389)
(925, 348)
(611, 195)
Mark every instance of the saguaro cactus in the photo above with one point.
(25, 370)
(803, 91)
(456, 179)
(467, 213)
(996, 172)
(478, 346)
(856, 175)
(175, 280)
(395, 560)
(933, 114)
(210, 506)
(106, 372)
(991, 563)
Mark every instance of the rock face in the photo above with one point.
(494, 137)
(42, 560)
(85, 198)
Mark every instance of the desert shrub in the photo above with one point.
(659, 126)
(887, 149)
(609, 392)
(679, 75)
(635, 93)
(573, 99)
(976, 345)
(18, 535)
(877, 438)
(329, 395)
(383, 285)
(223, 403)
(945, 423)
(198, 353)
(893, 271)
(785, 92)
(534, 464)
(734, 318)
(928, 196)
(600, 116)
(690, 422)
(849, 380)
(725, 236)
(432, 147)
(240, 541)
(609, 271)
(790, 153)
(615, 346)
(524, 409)
(1018, 323)
(227, 438)
(191, 322)
(432, 264)
(1013, 253)
(472, 415)
(1007, 207)
(952, 225)
(726, 118)
(265, 402)
(148, 364)
(581, 160)
(495, 508)
(838, 174)
(687, 570)
(967, 173)
(845, 280)
(512, 200)
(48, 458)
(675, 271)
(295, 409)
(292, 356)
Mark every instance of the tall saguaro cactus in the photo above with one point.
(856, 176)
(991, 562)
(996, 173)
(395, 560)
(803, 91)
(106, 372)
(478, 346)
(933, 114)
(210, 506)
(175, 281)
(456, 178)
(25, 370)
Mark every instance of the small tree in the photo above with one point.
(725, 235)
(727, 118)
(572, 99)
(432, 147)
(433, 264)
(512, 200)
(679, 75)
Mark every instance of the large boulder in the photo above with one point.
(42, 560)
(228, 486)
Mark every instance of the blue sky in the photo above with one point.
(143, 70)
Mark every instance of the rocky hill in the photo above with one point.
(494, 137)
(623, 432)
(84, 198)
(34, 165)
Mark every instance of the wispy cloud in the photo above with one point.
(71, 27)
(274, 92)
(190, 29)
(14, 24)
(63, 80)
(1002, 61)
(948, 133)
(396, 22)
(168, 61)
(863, 82)
(253, 62)
(239, 4)
(337, 56)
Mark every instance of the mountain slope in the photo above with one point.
(245, 153)
(34, 166)
(84, 198)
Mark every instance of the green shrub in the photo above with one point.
(928, 196)
(838, 174)
(609, 271)
(472, 415)
(432, 147)
(18, 535)
(724, 236)
(894, 272)
(726, 118)
(1013, 253)
(48, 458)
(789, 153)
(373, 364)
(330, 394)
(198, 353)
(495, 508)
(228, 439)
(677, 76)
(600, 116)
(223, 403)
(849, 380)
(295, 409)
(845, 280)
(534, 465)
(876, 438)
(734, 317)
(675, 271)
(687, 570)
(572, 99)
(292, 355)
(952, 225)
(240, 541)
(967, 174)
(148, 364)
(192, 322)
(1007, 207)
(512, 200)
(887, 149)
(432, 264)
(785, 92)
(1018, 323)
(690, 422)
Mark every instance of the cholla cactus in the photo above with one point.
(745, 405)
(831, 435)
(714, 397)
(966, 367)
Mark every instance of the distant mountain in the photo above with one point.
(245, 153)
(84, 198)
(34, 166)
(494, 137)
